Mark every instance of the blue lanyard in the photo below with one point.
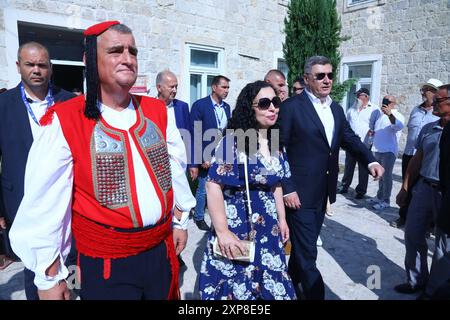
(219, 121)
(48, 98)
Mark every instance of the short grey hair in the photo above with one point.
(161, 75)
(121, 28)
(312, 61)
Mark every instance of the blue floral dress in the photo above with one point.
(267, 277)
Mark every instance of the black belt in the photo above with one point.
(434, 185)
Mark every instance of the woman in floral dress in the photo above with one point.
(266, 277)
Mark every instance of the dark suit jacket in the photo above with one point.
(314, 164)
(202, 110)
(15, 142)
(443, 221)
(181, 110)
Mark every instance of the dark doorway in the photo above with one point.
(68, 77)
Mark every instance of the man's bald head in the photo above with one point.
(277, 80)
(32, 46)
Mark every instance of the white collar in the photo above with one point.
(28, 96)
(316, 100)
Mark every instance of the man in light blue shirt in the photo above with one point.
(420, 116)
(422, 176)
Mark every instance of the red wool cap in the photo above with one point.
(99, 28)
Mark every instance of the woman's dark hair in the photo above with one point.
(243, 116)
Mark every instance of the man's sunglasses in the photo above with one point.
(321, 76)
(439, 100)
(264, 103)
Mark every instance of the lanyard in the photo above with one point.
(219, 120)
(48, 98)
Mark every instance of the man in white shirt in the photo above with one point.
(107, 178)
(386, 123)
(358, 116)
(178, 114)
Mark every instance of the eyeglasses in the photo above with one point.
(298, 88)
(264, 103)
(437, 101)
(321, 76)
(425, 89)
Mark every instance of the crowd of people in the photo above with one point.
(106, 181)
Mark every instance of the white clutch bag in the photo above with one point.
(249, 252)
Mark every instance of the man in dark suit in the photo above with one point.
(209, 114)
(20, 111)
(313, 128)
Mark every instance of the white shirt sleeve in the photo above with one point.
(41, 231)
(184, 200)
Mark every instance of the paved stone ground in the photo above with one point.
(358, 244)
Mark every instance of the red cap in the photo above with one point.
(99, 28)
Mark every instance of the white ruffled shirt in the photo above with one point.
(41, 231)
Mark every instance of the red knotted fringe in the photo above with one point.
(174, 291)
(47, 118)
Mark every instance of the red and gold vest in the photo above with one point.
(104, 184)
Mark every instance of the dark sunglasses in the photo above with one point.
(264, 103)
(439, 100)
(321, 76)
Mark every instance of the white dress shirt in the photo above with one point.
(326, 117)
(386, 134)
(41, 231)
(39, 108)
(181, 189)
(219, 112)
(359, 120)
(325, 114)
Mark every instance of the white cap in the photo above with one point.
(434, 83)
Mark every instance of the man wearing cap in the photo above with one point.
(102, 170)
(20, 111)
(358, 116)
(422, 176)
(420, 116)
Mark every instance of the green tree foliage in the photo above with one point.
(313, 27)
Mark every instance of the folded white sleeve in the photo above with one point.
(41, 231)
(183, 198)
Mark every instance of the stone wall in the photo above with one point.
(413, 38)
(250, 31)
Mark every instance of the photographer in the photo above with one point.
(386, 123)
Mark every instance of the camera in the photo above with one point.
(386, 102)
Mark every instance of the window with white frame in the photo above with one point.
(352, 5)
(204, 64)
(283, 67)
(367, 70)
(355, 2)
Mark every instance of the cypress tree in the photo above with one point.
(313, 27)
